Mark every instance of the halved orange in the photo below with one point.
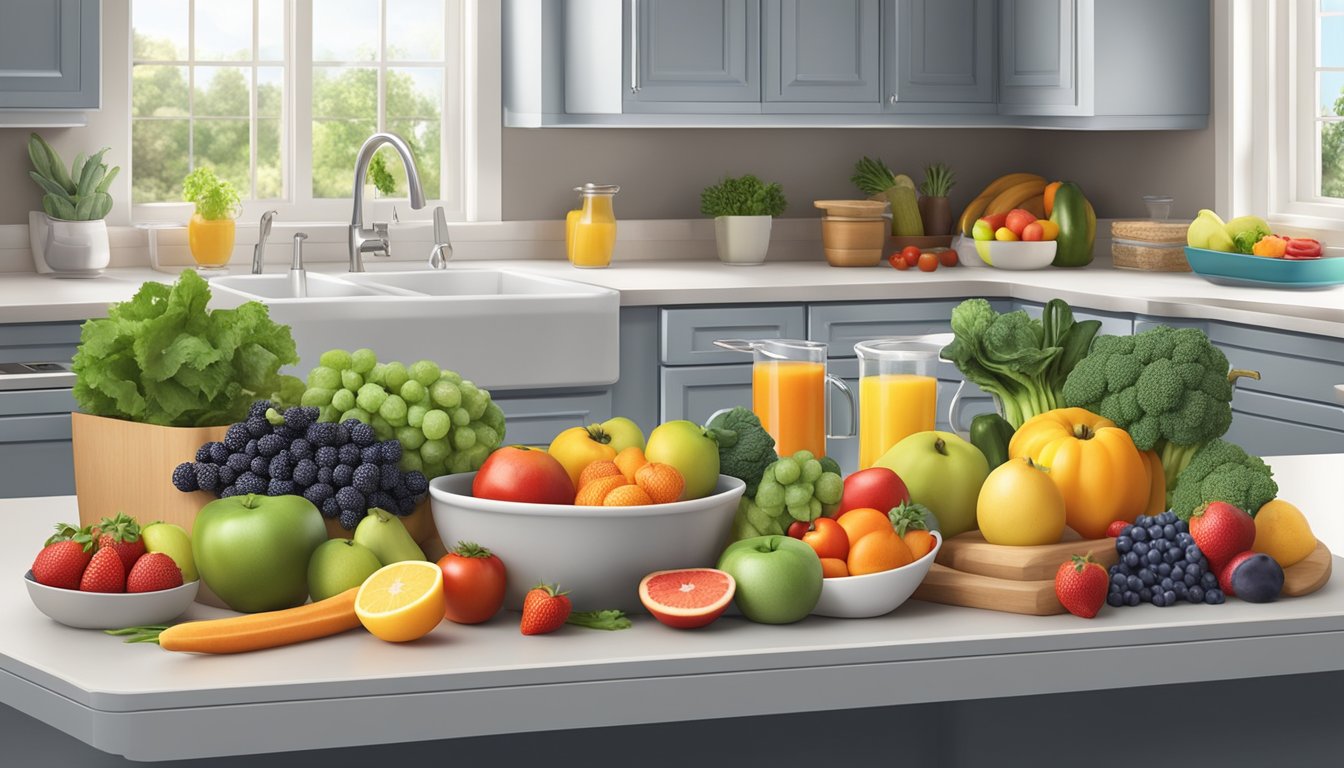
(402, 601)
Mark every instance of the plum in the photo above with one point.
(1252, 576)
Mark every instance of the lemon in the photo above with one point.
(1282, 532)
(402, 601)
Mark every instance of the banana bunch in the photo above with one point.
(1013, 190)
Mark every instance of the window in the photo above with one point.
(1327, 119)
(278, 95)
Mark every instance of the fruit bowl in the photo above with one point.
(1016, 254)
(598, 554)
(966, 253)
(100, 610)
(1241, 269)
(874, 594)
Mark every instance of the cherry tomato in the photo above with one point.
(948, 258)
(928, 261)
(898, 261)
(911, 255)
(473, 583)
(796, 529)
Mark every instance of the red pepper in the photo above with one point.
(1302, 248)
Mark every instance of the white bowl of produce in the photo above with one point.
(966, 255)
(874, 594)
(1016, 254)
(598, 554)
(110, 610)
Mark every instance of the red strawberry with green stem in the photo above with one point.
(1221, 531)
(545, 609)
(61, 564)
(104, 574)
(1080, 585)
(152, 572)
(122, 534)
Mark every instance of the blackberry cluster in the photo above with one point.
(343, 469)
(1161, 564)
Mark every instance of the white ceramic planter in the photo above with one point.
(68, 248)
(742, 239)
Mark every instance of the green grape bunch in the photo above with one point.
(798, 487)
(445, 424)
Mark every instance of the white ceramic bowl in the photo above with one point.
(598, 554)
(874, 594)
(1016, 254)
(99, 610)
(966, 255)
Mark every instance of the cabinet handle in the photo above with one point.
(892, 99)
(634, 46)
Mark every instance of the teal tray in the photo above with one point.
(1241, 269)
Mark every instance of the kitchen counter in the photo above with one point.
(148, 704)
(27, 297)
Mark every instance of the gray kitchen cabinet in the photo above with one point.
(821, 50)
(938, 54)
(689, 333)
(536, 419)
(695, 392)
(49, 55)
(1039, 60)
(35, 454)
(693, 51)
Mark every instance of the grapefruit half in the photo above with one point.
(687, 598)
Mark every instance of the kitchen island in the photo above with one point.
(930, 684)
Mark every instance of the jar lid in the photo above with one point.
(597, 189)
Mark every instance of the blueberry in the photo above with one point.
(1192, 552)
(227, 475)
(1142, 521)
(1195, 594)
(305, 472)
(1147, 577)
(390, 476)
(1141, 548)
(349, 517)
(1159, 599)
(1182, 527)
(1180, 589)
(1203, 562)
(281, 468)
(1167, 583)
(270, 445)
(1115, 599)
(391, 451)
(1177, 573)
(218, 453)
(260, 466)
(371, 454)
(1154, 531)
(1190, 580)
(330, 508)
(1139, 534)
(1134, 583)
(1145, 595)
(324, 475)
(1132, 559)
(326, 456)
(258, 426)
(251, 448)
(300, 448)
(416, 483)
(184, 477)
(350, 499)
(341, 474)
(1133, 599)
(361, 434)
(207, 477)
(1154, 557)
(259, 408)
(236, 437)
(1123, 544)
(405, 506)
(1164, 570)
(1208, 580)
(280, 488)
(1213, 596)
(1169, 597)
(349, 455)
(1184, 540)
(318, 492)
(1171, 556)
(365, 478)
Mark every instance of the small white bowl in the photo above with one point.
(101, 610)
(598, 554)
(874, 594)
(1009, 254)
(966, 255)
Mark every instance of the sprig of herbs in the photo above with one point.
(215, 198)
(938, 180)
(743, 196)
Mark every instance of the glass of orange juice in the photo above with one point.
(211, 242)
(898, 392)
(590, 231)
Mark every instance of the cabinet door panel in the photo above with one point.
(939, 51)
(821, 50)
(1041, 46)
(537, 420)
(695, 50)
(689, 333)
(49, 54)
(696, 392)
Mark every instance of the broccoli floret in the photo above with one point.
(1167, 387)
(1222, 471)
(745, 448)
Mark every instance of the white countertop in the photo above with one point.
(27, 297)
(149, 704)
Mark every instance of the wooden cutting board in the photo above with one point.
(970, 553)
(1310, 574)
(944, 585)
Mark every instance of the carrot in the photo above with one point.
(255, 631)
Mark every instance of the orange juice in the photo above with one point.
(789, 397)
(893, 406)
(590, 236)
(211, 240)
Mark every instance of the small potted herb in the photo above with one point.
(211, 231)
(743, 209)
(69, 234)
(934, 209)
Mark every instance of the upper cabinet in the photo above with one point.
(49, 56)
(1085, 64)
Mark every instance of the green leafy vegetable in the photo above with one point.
(163, 358)
(875, 179)
(743, 196)
(745, 448)
(1246, 231)
(1222, 471)
(214, 197)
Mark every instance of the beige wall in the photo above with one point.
(661, 171)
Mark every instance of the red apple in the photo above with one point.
(528, 475)
(1018, 219)
(1033, 232)
(877, 487)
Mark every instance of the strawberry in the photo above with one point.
(122, 534)
(104, 574)
(1117, 527)
(1220, 530)
(545, 609)
(152, 572)
(61, 564)
(1080, 585)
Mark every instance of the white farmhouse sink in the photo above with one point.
(498, 328)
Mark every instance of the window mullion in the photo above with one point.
(381, 124)
(252, 103)
(300, 76)
(191, 85)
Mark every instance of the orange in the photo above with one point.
(626, 496)
(592, 494)
(599, 468)
(831, 567)
(662, 482)
(401, 602)
(862, 521)
(920, 542)
(630, 460)
(878, 551)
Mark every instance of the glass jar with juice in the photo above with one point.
(590, 230)
(898, 391)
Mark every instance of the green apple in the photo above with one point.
(623, 433)
(778, 578)
(383, 534)
(982, 230)
(686, 446)
(942, 472)
(253, 551)
(338, 565)
(173, 541)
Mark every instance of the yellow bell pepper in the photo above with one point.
(1272, 246)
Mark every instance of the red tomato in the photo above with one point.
(898, 261)
(877, 488)
(1302, 248)
(473, 583)
(519, 473)
(928, 261)
(911, 255)
(948, 258)
(827, 538)
(796, 529)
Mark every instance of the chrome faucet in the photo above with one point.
(259, 251)
(374, 240)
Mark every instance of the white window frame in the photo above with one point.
(473, 87)
(1264, 107)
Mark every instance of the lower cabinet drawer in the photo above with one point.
(1266, 425)
(36, 467)
(695, 392)
(536, 420)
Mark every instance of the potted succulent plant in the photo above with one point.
(211, 231)
(934, 209)
(69, 235)
(743, 209)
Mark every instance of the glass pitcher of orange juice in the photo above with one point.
(898, 391)
(590, 230)
(788, 392)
